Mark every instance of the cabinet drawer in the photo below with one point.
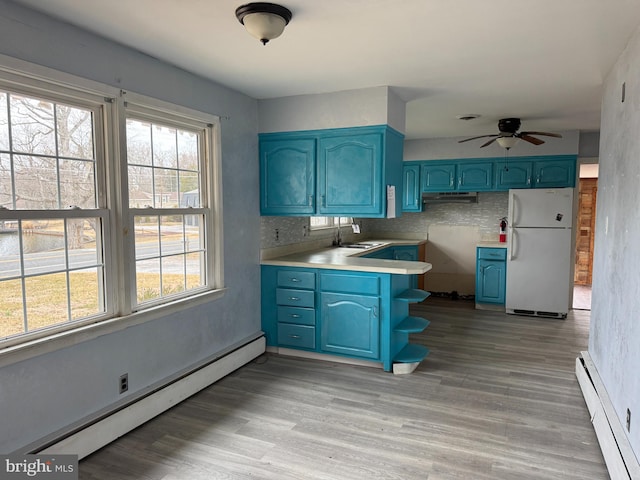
(300, 316)
(346, 283)
(300, 336)
(293, 278)
(492, 253)
(296, 298)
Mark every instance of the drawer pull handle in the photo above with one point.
(294, 336)
(294, 279)
(294, 298)
(295, 315)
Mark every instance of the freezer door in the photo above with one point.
(538, 270)
(543, 207)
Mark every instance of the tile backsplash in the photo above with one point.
(485, 215)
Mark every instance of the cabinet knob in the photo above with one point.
(295, 315)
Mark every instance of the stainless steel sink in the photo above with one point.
(361, 245)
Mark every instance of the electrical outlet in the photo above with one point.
(628, 420)
(124, 383)
(277, 235)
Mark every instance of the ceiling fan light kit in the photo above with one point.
(264, 21)
(509, 135)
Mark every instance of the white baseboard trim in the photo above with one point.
(621, 461)
(105, 431)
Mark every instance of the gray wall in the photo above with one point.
(43, 394)
(615, 327)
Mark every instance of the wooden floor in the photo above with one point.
(496, 399)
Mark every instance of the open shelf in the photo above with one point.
(411, 353)
(413, 295)
(412, 325)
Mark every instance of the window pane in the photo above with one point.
(85, 286)
(173, 274)
(9, 249)
(173, 179)
(81, 242)
(194, 224)
(138, 143)
(4, 122)
(148, 280)
(172, 238)
(75, 132)
(6, 189)
(317, 222)
(32, 125)
(77, 184)
(140, 187)
(195, 270)
(166, 191)
(43, 246)
(11, 320)
(188, 151)
(165, 152)
(36, 182)
(46, 297)
(147, 237)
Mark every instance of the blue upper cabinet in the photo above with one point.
(554, 173)
(513, 175)
(411, 198)
(287, 172)
(337, 172)
(350, 175)
(475, 176)
(438, 176)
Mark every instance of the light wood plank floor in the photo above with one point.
(496, 399)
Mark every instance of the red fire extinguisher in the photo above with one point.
(503, 230)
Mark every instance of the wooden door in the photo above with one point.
(588, 188)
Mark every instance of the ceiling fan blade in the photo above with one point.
(490, 141)
(548, 134)
(475, 138)
(530, 139)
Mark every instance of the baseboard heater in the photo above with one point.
(104, 431)
(622, 463)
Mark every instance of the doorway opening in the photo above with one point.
(587, 196)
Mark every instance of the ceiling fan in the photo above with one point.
(509, 134)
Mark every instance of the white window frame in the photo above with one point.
(141, 107)
(120, 312)
(331, 223)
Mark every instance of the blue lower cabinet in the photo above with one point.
(350, 325)
(491, 275)
(360, 315)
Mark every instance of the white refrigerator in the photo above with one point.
(539, 252)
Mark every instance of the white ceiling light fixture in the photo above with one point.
(507, 142)
(264, 21)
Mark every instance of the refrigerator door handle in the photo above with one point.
(512, 243)
(514, 204)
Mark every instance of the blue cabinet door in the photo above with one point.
(350, 175)
(491, 275)
(287, 176)
(554, 173)
(408, 253)
(438, 177)
(350, 325)
(411, 198)
(475, 176)
(513, 175)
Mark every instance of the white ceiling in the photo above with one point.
(543, 61)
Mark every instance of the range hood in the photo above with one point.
(450, 197)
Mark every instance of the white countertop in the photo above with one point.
(338, 258)
(492, 244)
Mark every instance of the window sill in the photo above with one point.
(57, 341)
